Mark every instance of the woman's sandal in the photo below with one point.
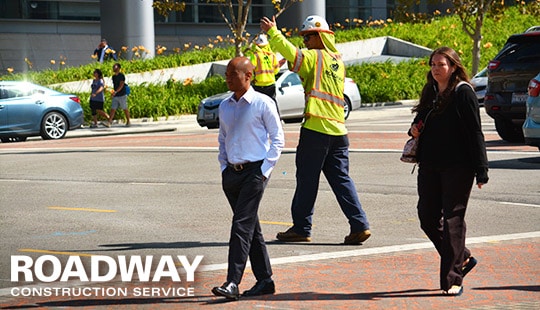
(469, 265)
(455, 290)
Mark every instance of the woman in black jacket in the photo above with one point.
(451, 153)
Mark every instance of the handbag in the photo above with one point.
(409, 151)
(411, 146)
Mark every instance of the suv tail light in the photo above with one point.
(76, 99)
(494, 64)
(534, 88)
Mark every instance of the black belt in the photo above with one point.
(240, 167)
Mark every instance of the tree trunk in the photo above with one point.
(477, 43)
(476, 54)
(238, 47)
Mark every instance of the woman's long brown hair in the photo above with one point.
(430, 97)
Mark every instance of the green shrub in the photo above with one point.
(68, 74)
(382, 82)
(172, 98)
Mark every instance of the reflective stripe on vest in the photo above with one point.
(298, 60)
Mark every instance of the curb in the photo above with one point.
(390, 103)
(83, 132)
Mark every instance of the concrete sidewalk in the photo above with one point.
(176, 123)
(139, 126)
(506, 277)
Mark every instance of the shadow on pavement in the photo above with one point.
(155, 245)
(527, 163)
(526, 288)
(277, 242)
(299, 296)
(356, 296)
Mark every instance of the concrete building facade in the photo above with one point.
(34, 32)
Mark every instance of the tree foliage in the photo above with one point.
(237, 21)
(164, 7)
(471, 13)
(234, 13)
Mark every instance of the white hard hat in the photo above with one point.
(315, 23)
(261, 40)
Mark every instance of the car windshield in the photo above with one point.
(525, 52)
(290, 80)
(15, 91)
(482, 73)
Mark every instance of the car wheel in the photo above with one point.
(13, 139)
(213, 126)
(508, 131)
(54, 126)
(348, 107)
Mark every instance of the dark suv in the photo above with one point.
(509, 74)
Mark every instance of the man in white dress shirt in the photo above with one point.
(250, 143)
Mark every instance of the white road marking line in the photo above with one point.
(379, 250)
(519, 204)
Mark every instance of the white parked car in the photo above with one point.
(479, 82)
(289, 96)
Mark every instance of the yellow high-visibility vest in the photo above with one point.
(324, 111)
(266, 66)
(323, 78)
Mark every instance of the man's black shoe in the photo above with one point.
(228, 290)
(261, 288)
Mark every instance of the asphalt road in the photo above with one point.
(160, 194)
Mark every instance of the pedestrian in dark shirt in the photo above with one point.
(119, 96)
(451, 153)
(104, 52)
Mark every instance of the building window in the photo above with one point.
(55, 10)
(341, 10)
(201, 11)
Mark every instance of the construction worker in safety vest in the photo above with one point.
(323, 144)
(266, 67)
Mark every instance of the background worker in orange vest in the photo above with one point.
(266, 67)
(323, 144)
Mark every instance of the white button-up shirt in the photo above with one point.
(250, 130)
